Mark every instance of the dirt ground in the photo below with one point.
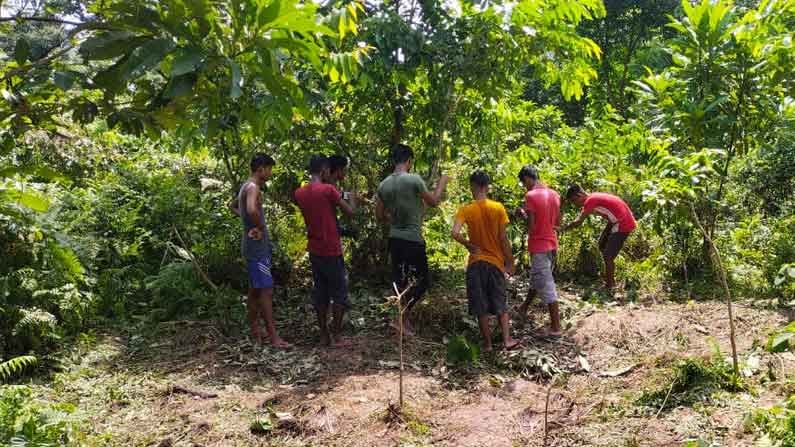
(188, 385)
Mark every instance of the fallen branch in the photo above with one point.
(196, 265)
(665, 401)
(178, 389)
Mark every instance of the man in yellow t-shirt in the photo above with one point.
(490, 258)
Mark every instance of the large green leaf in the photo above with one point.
(186, 61)
(145, 57)
(32, 200)
(267, 13)
(180, 86)
(63, 80)
(109, 45)
(21, 50)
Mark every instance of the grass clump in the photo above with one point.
(27, 421)
(777, 424)
(694, 380)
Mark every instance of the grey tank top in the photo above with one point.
(252, 249)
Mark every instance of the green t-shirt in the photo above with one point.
(400, 194)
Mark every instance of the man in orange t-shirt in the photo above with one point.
(490, 258)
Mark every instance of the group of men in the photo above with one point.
(400, 202)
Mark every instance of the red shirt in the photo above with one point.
(544, 204)
(612, 208)
(318, 203)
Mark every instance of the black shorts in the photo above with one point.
(330, 281)
(485, 289)
(611, 243)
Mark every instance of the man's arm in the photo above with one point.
(348, 206)
(435, 198)
(234, 206)
(506, 250)
(253, 206)
(380, 210)
(456, 233)
(576, 222)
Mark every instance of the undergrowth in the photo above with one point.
(694, 380)
(777, 424)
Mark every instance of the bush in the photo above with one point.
(777, 424)
(25, 421)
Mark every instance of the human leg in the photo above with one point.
(544, 283)
(613, 245)
(266, 297)
(417, 266)
(320, 298)
(253, 312)
(484, 322)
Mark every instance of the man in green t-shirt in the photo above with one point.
(401, 201)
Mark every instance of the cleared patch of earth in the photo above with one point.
(191, 386)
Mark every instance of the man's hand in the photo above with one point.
(510, 269)
(255, 233)
(520, 213)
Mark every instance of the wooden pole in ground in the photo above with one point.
(725, 284)
(400, 308)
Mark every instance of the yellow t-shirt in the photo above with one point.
(483, 219)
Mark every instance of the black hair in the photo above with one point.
(317, 163)
(337, 162)
(401, 154)
(261, 160)
(528, 171)
(574, 190)
(480, 178)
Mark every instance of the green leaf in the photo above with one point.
(180, 86)
(143, 58)
(268, 13)
(63, 80)
(237, 80)
(109, 45)
(186, 61)
(21, 50)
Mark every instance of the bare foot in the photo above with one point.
(511, 344)
(341, 342)
(549, 334)
(486, 348)
(278, 343)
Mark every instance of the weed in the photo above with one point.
(693, 381)
(777, 423)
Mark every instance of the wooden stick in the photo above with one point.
(726, 290)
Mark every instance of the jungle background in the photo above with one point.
(128, 126)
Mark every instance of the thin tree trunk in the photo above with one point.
(725, 283)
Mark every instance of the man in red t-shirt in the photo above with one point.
(542, 212)
(620, 222)
(318, 202)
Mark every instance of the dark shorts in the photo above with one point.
(611, 243)
(330, 281)
(409, 266)
(485, 289)
(259, 273)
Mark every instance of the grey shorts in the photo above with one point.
(611, 243)
(330, 281)
(541, 278)
(485, 289)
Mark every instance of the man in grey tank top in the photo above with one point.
(256, 249)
